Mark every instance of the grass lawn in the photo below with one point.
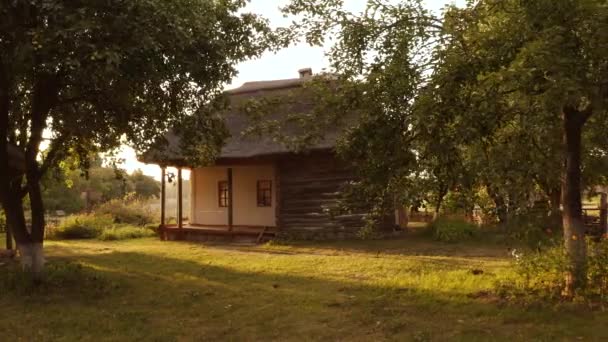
(405, 289)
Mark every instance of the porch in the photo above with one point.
(208, 218)
(198, 232)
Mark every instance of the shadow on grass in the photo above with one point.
(165, 298)
(418, 243)
(155, 297)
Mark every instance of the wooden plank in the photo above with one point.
(310, 188)
(179, 199)
(221, 230)
(261, 235)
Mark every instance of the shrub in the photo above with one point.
(84, 226)
(2, 222)
(452, 230)
(598, 270)
(128, 211)
(124, 233)
(536, 228)
(542, 275)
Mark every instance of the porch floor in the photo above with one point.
(190, 231)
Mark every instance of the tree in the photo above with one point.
(468, 83)
(59, 192)
(89, 75)
(144, 186)
(546, 56)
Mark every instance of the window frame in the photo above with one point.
(262, 200)
(223, 194)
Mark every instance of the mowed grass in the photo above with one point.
(410, 288)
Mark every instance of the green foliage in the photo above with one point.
(447, 229)
(129, 210)
(542, 275)
(83, 226)
(597, 273)
(89, 76)
(536, 228)
(60, 191)
(124, 233)
(144, 186)
(482, 96)
(2, 221)
(117, 219)
(70, 190)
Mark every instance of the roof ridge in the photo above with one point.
(254, 86)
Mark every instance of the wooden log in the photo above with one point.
(311, 188)
(293, 203)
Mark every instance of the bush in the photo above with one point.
(114, 220)
(2, 222)
(128, 211)
(536, 228)
(84, 226)
(598, 270)
(124, 233)
(542, 275)
(452, 230)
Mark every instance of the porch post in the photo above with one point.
(230, 209)
(179, 198)
(163, 193)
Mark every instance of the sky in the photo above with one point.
(271, 65)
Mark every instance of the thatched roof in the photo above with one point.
(239, 145)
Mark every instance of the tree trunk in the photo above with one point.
(402, 217)
(32, 258)
(555, 210)
(31, 249)
(37, 206)
(15, 217)
(443, 190)
(555, 199)
(9, 238)
(574, 229)
(500, 203)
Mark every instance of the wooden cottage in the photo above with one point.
(258, 187)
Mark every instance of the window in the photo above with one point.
(223, 194)
(264, 193)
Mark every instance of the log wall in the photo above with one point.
(309, 188)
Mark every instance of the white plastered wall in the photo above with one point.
(205, 207)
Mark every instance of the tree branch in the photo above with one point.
(52, 154)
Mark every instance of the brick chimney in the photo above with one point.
(305, 73)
